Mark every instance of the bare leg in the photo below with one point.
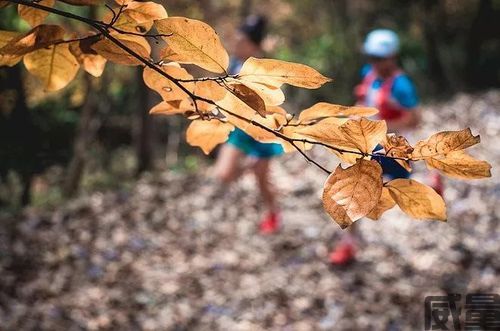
(261, 171)
(345, 250)
(228, 166)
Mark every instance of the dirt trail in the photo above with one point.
(172, 256)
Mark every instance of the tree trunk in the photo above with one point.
(18, 129)
(431, 24)
(86, 132)
(485, 26)
(245, 8)
(144, 131)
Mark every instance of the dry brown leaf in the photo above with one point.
(346, 157)
(146, 11)
(249, 97)
(235, 105)
(165, 87)
(290, 132)
(5, 38)
(90, 61)
(398, 147)
(326, 131)
(324, 109)
(277, 110)
(444, 142)
(35, 16)
(39, 37)
(364, 133)
(138, 17)
(385, 203)
(416, 199)
(82, 2)
(55, 66)
(460, 165)
(171, 108)
(112, 52)
(271, 121)
(123, 2)
(276, 73)
(207, 134)
(271, 95)
(194, 42)
(209, 90)
(350, 194)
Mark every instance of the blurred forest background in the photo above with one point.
(97, 133)
(124, 231)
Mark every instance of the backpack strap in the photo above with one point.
(385, 95)
(362, 89)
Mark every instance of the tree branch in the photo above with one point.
(102, 28)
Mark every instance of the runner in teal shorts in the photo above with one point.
(242, 149)
(252, 147)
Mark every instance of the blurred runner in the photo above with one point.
(242, 152)
(386, 87)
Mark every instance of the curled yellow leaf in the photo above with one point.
(444, 142)
(351, 193)
(399, 148)
(416, 199)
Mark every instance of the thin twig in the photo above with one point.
(77, 39)
(103, 29)
(112, 11)
(146, 35)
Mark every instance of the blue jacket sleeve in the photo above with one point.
(404, 92)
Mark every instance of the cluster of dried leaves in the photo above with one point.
(250, 100)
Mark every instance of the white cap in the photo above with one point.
(381, 43)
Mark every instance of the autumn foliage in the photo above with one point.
(217, 102)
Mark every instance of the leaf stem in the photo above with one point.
(103, 30)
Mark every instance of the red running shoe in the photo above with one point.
(343, 254)
(270, 224)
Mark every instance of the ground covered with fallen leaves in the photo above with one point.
(177, 253)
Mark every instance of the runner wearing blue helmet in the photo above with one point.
(388, 88)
